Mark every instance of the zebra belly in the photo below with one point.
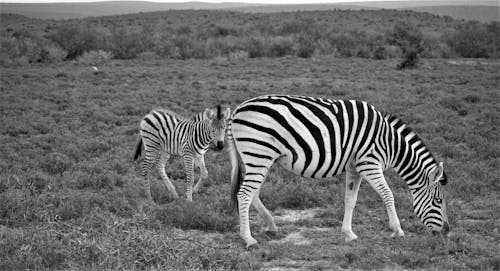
(314, 170)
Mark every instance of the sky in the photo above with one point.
(209, 1)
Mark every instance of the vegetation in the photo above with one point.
(71, 197)
(212, 34)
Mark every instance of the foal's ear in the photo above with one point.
(209, 114)
(437, 173)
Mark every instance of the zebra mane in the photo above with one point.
(169, 112)
(397, 123)
(219, 111)
(196, 117)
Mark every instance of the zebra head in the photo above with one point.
(217, 125)
(429, 201)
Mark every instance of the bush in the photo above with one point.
(305, 46)
(409, 38)
(76, 40)
(474, 40)
(217, 47)
(380, 53)
(28, 49)
(125, 45)
(324, 47)
(95, 58)
(280, 46)
(255, 47)
(296, 27)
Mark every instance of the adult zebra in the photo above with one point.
(320, 138)
(164, 133)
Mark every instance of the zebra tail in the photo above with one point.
(138, 149)
(237, 172)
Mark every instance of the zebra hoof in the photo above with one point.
(398, 233)
(253, 246)
(351, 238)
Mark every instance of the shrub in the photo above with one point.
(75, 40)
(349, 44)
(95, 58)
(305, 46)
(255, 47)
(380, 53)
(53, 53)
(29, 49)
(125, 45)
(324, 47)
(217, 47)
(474, 40)
(186, 46)
(409, 38)
(280, 46)
(296, 27)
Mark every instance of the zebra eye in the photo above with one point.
(438, 200)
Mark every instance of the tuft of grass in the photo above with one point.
(215, 216)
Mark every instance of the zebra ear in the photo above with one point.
(437, 173)
(208, 114)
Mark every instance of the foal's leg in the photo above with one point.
(161, 169)
(203, 173)
(189, 170)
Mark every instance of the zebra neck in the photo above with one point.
(202, 133)
(413, 161)
(410, 158)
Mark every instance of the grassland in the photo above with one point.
(71, 198)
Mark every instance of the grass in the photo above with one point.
(71, 197)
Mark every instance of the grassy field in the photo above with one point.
(71, 197)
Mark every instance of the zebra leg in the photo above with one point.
(249, 189)
(189, 169)
(265, 215)
(161, 169)
(353, 180)
(377, 181)
(150, 159)
(203, 173)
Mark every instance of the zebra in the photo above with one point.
(164, 133)
(321, 138)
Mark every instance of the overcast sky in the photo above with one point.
(210, 1)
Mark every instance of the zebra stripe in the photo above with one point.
(164, 133)
(320, 138)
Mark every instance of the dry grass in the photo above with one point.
(71, 198)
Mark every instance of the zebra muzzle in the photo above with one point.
(220, 145)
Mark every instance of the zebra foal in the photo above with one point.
(321, 138)
(164, 133)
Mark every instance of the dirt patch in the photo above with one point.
(471, 62)
(292, 216)
(295, 238)
(289, 264)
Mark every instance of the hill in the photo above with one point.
(93, 9)
(477, 13)
(478, 10)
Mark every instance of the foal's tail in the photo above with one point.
(138, 149)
